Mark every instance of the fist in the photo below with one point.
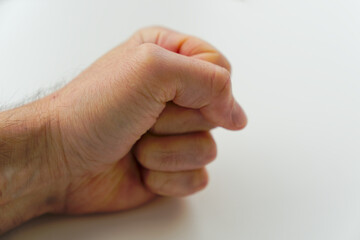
(136, 123)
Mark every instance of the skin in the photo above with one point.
(133, 126)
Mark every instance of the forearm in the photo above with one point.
(30, 176)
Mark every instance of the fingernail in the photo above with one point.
(238, 116)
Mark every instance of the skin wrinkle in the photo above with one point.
(172, 158)
(65, 122)
(157, 38)
(92, 116)
(145, 91)
(61, 147)
(181, 44)
(61, 153)
(165, 159)
(164, 184)
(147, 99)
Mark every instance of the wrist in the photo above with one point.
(32, 175)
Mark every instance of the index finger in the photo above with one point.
(183, 44)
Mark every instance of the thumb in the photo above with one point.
(191, 83)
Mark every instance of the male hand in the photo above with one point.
(136, 123)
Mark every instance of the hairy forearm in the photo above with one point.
(30, 174)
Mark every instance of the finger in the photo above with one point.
(177, 184)
(191, 83)
(183, 44)
(175, 153)
(177, 120)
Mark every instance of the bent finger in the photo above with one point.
(175, 153)
(177, 184)
(177, 120)
(183, 44)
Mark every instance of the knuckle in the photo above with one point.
(217, 58)
(228, 67)
(203, 181)
(221, 81)
(212, 152)
(222, 61)
(152, 66)
(149, 33)
(198, 181)
(142, 151)
(150, 55)
(207, 149)
(151, 28)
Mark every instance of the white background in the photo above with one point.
(293, 173)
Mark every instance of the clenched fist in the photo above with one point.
(134, 125)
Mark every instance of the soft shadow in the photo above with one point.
(161, 219)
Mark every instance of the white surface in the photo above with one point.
(292, 174)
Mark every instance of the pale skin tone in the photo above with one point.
(133, 126)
